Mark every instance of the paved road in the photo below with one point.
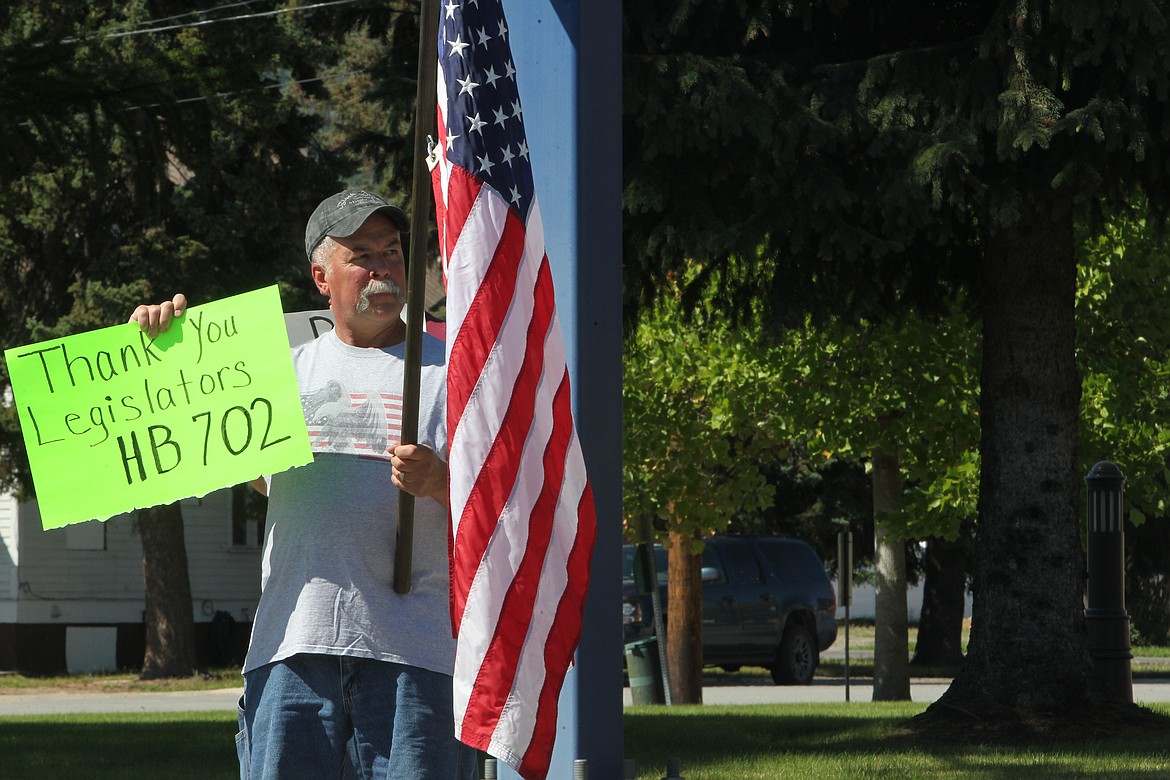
(822, 690)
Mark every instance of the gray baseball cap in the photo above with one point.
(343, 214)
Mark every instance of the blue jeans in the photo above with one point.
(320, 717)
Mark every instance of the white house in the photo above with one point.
(864, 602)
(72, 598)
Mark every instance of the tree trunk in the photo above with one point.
(940, 624)
(684, 628)
(891, 663)
(1028, 652)
(170, 622)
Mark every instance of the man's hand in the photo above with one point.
(419, 471)
(156, 318)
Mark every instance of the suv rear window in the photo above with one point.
(792, 560)
(742, 564)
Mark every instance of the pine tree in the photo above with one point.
(876, 156)
(138, 162)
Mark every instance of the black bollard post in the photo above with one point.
(1105, 617)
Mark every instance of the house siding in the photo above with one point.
(45, 586)
(9, 556)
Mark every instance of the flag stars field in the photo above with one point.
(481, 90)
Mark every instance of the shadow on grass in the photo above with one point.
(828, 741)
(180, 746)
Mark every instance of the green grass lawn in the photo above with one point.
(766, 742)
(138, 746)
(824, 741)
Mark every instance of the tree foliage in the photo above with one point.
(874, 141)
(1123, 344)
(909, 386)
(184, 166)
(698, 417)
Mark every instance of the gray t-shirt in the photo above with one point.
(327, 580)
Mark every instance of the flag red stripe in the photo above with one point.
(498, 474)
(563, 639)
(495, 679)
(469, 353)
(462, 191)
(481, 324)
(437, 186)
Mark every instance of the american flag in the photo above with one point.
(522, 513)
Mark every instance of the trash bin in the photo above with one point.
(645, 672)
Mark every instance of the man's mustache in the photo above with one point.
(378, 287)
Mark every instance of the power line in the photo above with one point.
(147, 26)
(282, 84)
(200, 12)
(204, 98)
(206, 22)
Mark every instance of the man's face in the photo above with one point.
(365, 278)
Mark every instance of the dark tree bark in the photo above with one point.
(170, 620)
(684, 628)
(940, 623)
(1028, 651)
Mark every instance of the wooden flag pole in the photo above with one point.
(424, 121)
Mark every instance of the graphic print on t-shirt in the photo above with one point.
(352, 423)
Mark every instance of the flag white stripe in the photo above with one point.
(500, 563)
(519, 714)
(444, 166)
(471, 255)
(503, 561)
(489, 400)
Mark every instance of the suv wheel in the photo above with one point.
(796, 658)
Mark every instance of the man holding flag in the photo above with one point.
(345, 677)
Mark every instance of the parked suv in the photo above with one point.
(767, 601)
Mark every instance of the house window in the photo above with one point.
(248, 511)
(86, 536)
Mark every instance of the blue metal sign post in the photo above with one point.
(568, 66)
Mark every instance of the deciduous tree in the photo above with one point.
(697, 418)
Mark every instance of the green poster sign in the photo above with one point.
(115, 421)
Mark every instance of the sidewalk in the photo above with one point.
(761, 690)
(832, 689)
(33, 701)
